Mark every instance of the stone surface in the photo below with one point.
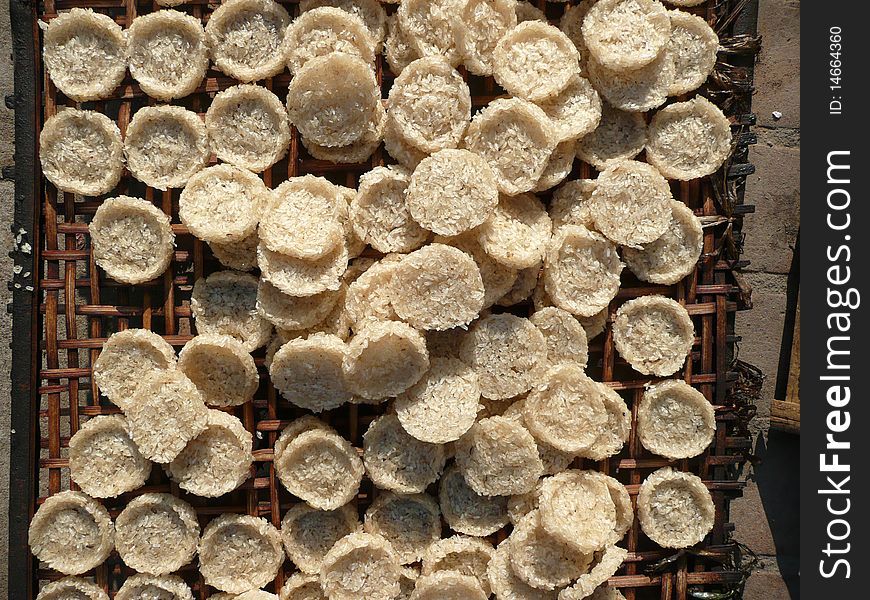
(777, 76)
(766, 585)
(752, 521)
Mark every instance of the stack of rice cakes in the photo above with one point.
(393, 294)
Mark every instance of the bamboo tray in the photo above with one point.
(64, 308)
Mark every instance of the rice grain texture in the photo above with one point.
(248, 127)
(238, 256)
(132, 239)
(301, 586)
(167, 54)
(370, 12)
(72, 588)
(591, 585)
(165, 146)
(460, 554)
(626, 35)
(411, 522)
(430, 27)
(81, 152)
(307, 372)
(558, 167)
(689, 140)
(326, 29)
(570, 204)
(517, 232)
(640, 90)
(481, 24)
(540, 560)
(615, 433)
(217, 461)
(361, 565)
(225, 303)
(654, 334)
(245, 38)
(498, 279)
(71, 533)
(308, 534)
(693, 45)
(379, 211)
(295, 313)
(396, 461)
(675, 509)
(164, 587)
(239, 553)
(564, 335)
(128, 357)
(165, 412)
(674, 255)
(575, 111)
(466, 511)
(85, 54)
(103, 460)
(156, 534)
(384, 359)
(221, 369)
(553, 459)
(448, 585)
(506, 584)
(675, 420)
(577, 510)
(303, 277)
(620, 135)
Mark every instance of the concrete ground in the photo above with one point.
(767, 516)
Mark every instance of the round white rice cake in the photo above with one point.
(437, 287)
(356, 152)
(72, 588)
(225, 303)
(577, 510)
(621, 501)
(167, 54)
(481, 24)
(165, 587)
(675, 509)
(294, 312)
(505, 583)
(156, 534)
(222, 204)
(558, 167)
(355, 246)
(581, 270)
(71, 533)
(379, 211)
(507, 352)
(460, 554)
(370, 295)
(320, 467)
(693, 45)
(326, 29)
(430, 104)
(301, 586)
(361, 565)
(520, 505)
(535, 61)
(635, 91)
(248, 127)
(398, 462)
(256, 595)
(498, 279)
(165, 146)
(217, 461)
(566, 410)
(615, 434)
(654, 335)
(370, 12)
(333, 99)
(575, 111)
(397, 47)
(304, 218)
(132, 239)
(307, 372)
(85, 54)
(591, 585)
(517, 232)
(238, 553)
(430, 27)
(81, 152)
(103, 460)
(675, 420)
(570, 204)
(443, 405)
(688, 140)
(452, 191)
(448, 585)
(128, 357)
(674, 255)
(384, 359)
(164, 413)
(631, 203)
(308, 534)
(553, 459)
(516, 138)
(400, 148)
(238, 256)
(565, 336)
(411, 523)
(620, 135)
(571, 24)
(245, 38)
(466, 511)
(626, 34)
(221, 369)
(303, 277)
(541, 560)
(499, 457)
(524, 285)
